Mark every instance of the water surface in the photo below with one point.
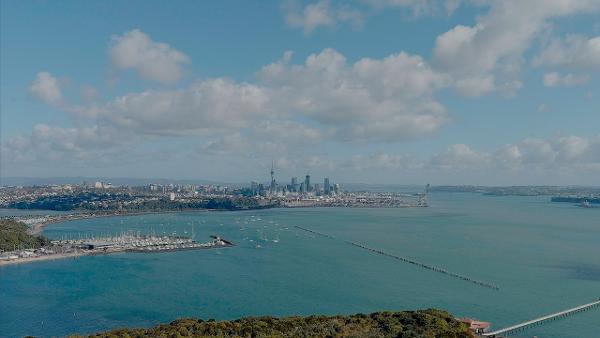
(544, 256)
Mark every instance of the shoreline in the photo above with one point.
(80, 253)
(25, 260)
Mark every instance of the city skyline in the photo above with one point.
(448, 92)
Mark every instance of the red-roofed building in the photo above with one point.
(475, 325)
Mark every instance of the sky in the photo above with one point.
(375, 91)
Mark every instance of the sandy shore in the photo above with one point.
(42, 258)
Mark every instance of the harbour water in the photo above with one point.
(543, 256)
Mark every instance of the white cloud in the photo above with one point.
(329, 13)
(373, 99)
(63, 146)
(554, 79)
(491, 51)
(274, 138)
(387, 99)
(46, 88)
(460, 156)
(319, 14)
(208, 106)
(574, 51)
(155, 61)
(309, 17)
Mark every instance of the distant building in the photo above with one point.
(475, 325)
(98, 185)
(172, 196)
(294, 185)
(273, 186)
(326, 187)
(307, 186)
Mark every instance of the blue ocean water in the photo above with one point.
(544, 256)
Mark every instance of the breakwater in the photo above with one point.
(408, 260)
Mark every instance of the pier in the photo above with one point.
(541, 320)
(409, 261)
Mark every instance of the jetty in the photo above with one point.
(409, 261)
(541, 320)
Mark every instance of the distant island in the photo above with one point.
(401, 324)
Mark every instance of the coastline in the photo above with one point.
(41, 258)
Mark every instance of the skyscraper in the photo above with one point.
(307, 186)
(326, 187)
(294, 185)
(273, 187)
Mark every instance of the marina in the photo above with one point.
(125, 242)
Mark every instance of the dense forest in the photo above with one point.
(429, 323)
(13, 235)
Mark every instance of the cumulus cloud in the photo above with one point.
(573, 51)
(373, 99)
(155, 61)
(489, 54)
(52, 144)
(208, 106)
(319, 14)
(328, 13)
(460, 155)
(554, 79)
(46, 88)
(387, 99)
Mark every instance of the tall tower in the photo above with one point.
(273, 184)
(307, 186)
(326, 187)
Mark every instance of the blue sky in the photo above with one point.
(399, 91)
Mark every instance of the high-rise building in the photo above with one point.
(326, 187)
(273, 187)
(294, 185)
(307, 186)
